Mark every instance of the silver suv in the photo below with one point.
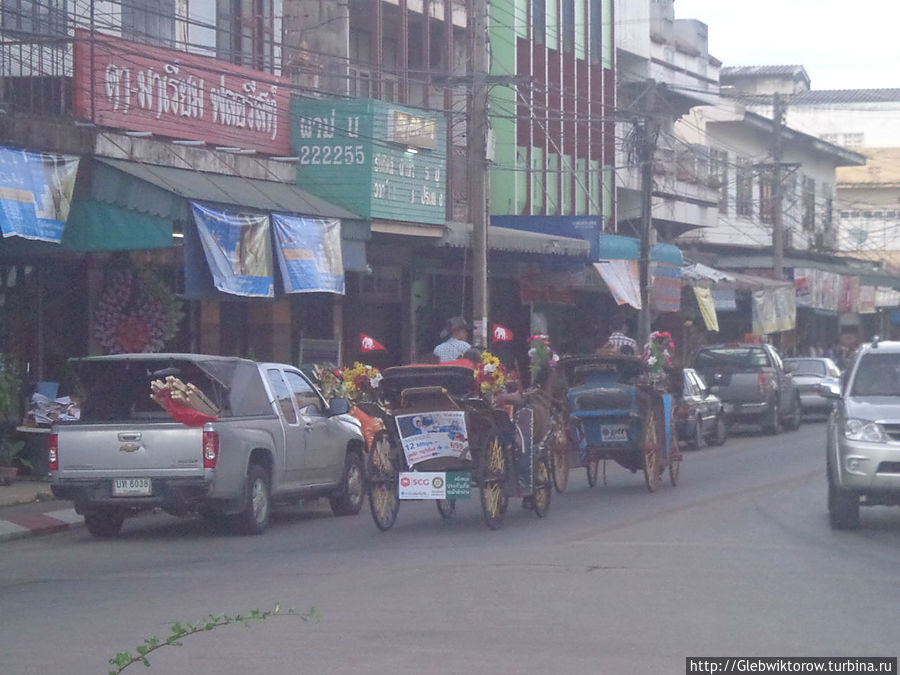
(863, 452)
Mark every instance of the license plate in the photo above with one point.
(131, 487)
(614, 433)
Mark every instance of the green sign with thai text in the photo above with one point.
(459, 485)
(377, 159)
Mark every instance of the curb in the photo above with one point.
(33, 524)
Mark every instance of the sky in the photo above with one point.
(842, 45)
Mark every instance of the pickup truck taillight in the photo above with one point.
(763, 384)
(53, 452)
(210, 449)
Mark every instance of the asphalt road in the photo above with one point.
(736, 560)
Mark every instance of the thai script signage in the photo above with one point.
(177, 94)
(374, 158)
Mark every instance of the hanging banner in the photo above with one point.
(764, 313)
(621, 276)
(866, 301)
(724, 299)
(849, 294)
(802, 286)
(785, 308)
(707, 308)
(238, 250)
(665, 287)
(309, 254)
(887, 297)
(35, 193)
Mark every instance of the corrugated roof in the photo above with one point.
(264, 195)
(825, 96)
(459, 235)
(754, 71)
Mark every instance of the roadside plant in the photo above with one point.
(180, 631)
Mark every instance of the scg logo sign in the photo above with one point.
(404, 481)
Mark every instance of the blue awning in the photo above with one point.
(617, 247)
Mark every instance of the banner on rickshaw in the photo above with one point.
(435, 485)
(435, 434)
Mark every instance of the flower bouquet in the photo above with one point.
(360, 381)
(490, 375)
(658, 352)
(541, 356)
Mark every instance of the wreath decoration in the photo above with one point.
(136, 312)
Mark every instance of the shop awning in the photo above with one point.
(705, 275)
(459, 235)
(617, 247)
(95, 226)
(162, 191)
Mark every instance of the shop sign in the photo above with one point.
(547, 288)
(178, 94)
(665, 287)
(379, 160)
(724, 299)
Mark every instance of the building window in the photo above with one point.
(150, 21)
(809, 204)
(743, 202)
(718, 176)
(244, 33)
(853, 140)
(829, 214)
(766, 198)
(35, 17)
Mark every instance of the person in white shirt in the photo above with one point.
(455, 344)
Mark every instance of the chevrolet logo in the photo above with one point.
(129, 447)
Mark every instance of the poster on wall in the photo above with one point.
(309, 253)
(35, 193)
(238, 250)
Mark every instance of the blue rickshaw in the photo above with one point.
(625, 414)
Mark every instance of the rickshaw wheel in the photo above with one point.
(560, 441)
(543, 487)
(384, 498)
(446, 507)
(593, 470)
(674, 458)
(651, 450)
(494, 499)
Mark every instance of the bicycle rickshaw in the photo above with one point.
(623, 414)
(440, 441)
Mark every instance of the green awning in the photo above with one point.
(95, 226)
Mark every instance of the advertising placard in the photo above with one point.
(429, 435)
(435, 485)
(309, 253)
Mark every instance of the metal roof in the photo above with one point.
(459, 235)
(264, 195)
(756, 71)
(831, 96)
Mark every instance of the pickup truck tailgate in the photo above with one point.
(172, 450)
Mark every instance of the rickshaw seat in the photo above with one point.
(424, 399)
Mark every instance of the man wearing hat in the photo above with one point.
(455, 334)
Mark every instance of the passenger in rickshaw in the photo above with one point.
(455, 340)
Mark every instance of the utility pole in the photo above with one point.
(646, 149)
(477, 168)
(777, 189)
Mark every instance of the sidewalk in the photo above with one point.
(27, 508)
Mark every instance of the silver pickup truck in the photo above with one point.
(274, 439)
(753, 384)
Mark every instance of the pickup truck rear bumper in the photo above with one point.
(745, 410)
(170, 493)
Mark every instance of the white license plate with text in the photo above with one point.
(614, 433)
(131, 487)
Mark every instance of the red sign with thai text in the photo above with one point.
(181, 95)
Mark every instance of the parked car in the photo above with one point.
(809, 373)
(700, 417)
(863, 445)
(274, 438)
(753, 384)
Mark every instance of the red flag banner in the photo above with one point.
(369, 344)
(501, 333)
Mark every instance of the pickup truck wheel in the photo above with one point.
(349, 498)
(772, 424)
(697, 441)
(254, 519)
(843, 508)
(104, 522)
(793, 422)
(721, 433)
